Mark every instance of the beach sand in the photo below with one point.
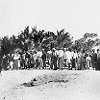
(77, 85)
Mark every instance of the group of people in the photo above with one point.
(52, 59)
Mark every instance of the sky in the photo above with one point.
(75, 16)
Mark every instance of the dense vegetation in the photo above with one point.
(41, 39)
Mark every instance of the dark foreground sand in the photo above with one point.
(58, 85)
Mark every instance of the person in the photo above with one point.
(98, 60)
(53, 60)
(27, 61)
(60, 59)
(1, 64)
(5, 62)
(40, 62)
(83, 60)
(74, 59)
(35, 59)
(43, 58)
(32, 62)
(65, 57)
(94, 59)
(11, 61)
(88, 60)
(16, 58)
(69, 57)
(48, 63)
(78, 61)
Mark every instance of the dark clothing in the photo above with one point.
(27, 55)
(27, 60)
(44, 60)
(54, 61)
(5, 62)
(98, 62)
(73, 63)
(0, 65)
(94, 60)
(44, 56)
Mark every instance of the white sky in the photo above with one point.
(76, 16)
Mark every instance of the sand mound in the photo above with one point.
(51, 77)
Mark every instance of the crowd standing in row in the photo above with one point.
(52, 59)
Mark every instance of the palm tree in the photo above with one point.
(6, 46)
(64, 39)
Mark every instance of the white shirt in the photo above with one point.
(35, 56)
(49, 52)
(88, 58)
(74, 55)
(60, 53)
(16, 56)
(39, 54)
(69, 55)
(65, 55)
(57, 53)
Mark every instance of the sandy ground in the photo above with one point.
(81, 85)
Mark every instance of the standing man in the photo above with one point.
(48, 56)
(35, 59)
(69, 58)
(88, 61)
(5, 62)
(94, 59)
(74, 60)
(98, 60)
(1, 57)
(83, 60)
(54, 59)
(44, 58)
(65, 58)
(60, 59)
(40, 62)
(16, 58)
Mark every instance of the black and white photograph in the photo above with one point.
(49, 49)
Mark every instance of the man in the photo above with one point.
(16, 60)
(69, 57)
(98, 60)
(65, 57)
(60, 59)
(54, 59)
(5, 62)
(35, 59)
(44, 58)
(40, 62)
(27, 60)
(0, 64)
(83, 60)
(48, 56)
(94, 59)
(74, 60)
